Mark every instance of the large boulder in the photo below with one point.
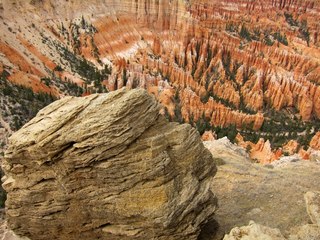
(107, 167)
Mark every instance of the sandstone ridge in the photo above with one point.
(107, 167)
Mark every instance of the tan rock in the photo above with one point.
(7, 234)
(315, 155)
(305, 232)
(109, 167)
(254, 231)
(309, 231)
(313, 206)
(291, 147)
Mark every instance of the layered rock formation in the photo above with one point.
(8, 234)
(108, 167)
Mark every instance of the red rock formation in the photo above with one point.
(31, 48)
(262, 152)
(304, 154)
(208, 136)
(291, 147)
(315, 141)
(17, 59)
(218, 114)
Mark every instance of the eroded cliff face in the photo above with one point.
(220, 63)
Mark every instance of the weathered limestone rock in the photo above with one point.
(107, 167)
(309, 231)
(306, 232)
(314, 155)
(254, 231)
(313, 206)
(7, 234)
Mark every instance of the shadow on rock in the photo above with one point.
(209, 230)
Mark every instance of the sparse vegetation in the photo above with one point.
(279, 128)
(304, 31)
(289, 18)
(231, 27)
(230, 132)
(87, 70)
(58, 68)
(177, 110)
(302, 26)
(245, 34)
(21, 109)
(282, 38)
(268, 36)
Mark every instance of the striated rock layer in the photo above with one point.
(107, 167)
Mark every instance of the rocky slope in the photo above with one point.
(270, 195)
(310, 231)
(107, 167)
(220, 64)
(18, 104)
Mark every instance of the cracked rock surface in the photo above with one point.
(107, 167)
